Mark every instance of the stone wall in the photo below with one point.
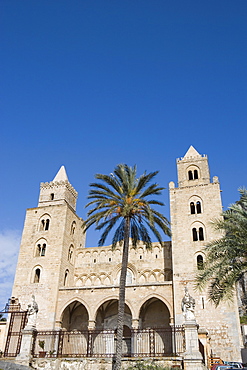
(94, 364)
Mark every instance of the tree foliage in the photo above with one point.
(226, 257)
(122, 195)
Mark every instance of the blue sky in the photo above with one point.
(90, 84)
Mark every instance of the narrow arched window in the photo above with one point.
(190, 175)
(37, 276)
(73, 225)
(199, 260)
(194, 234)
(71, 254)
(201, 235)
(195, 174)
(192, 208)
(51, 196)
(198, 207)
(40, 249)
(65, 282)
(44, 224)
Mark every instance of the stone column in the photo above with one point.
(192, 356)
(25, 355)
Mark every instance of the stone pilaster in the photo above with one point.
(192, 356)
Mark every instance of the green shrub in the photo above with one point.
(243, 320)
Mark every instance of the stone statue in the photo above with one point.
(188, 306)
(32, 310)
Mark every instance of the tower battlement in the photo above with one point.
(57, 184)
(191, 157)
(58, 191)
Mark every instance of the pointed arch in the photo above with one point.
(142, 279)
(107, 313)
(75, 316)
(195, 204)
(72, 228)
(78, 282)
(71, 254)
(44, 222)
(159, 297)
(129, 303)
(132, 273)
(154, 312)
(193, 172)
(198, 231)
(40, 248)
(36, 274)
(152, 277)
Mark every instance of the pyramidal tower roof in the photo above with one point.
(192, 152)
(61, 175)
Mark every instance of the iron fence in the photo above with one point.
(14, 336)
(152, 342)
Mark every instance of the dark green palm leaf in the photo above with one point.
(226, 262)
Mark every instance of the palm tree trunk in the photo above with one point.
(121, 302)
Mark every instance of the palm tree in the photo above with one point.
(121, 202)
(226, 261)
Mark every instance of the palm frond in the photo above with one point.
(226, 261)
(118, 235)
(145, 237)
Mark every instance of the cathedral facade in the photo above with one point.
(76, 288)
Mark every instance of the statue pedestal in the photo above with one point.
(192, 356)
(25, 356)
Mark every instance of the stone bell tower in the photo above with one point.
(51, 235)
(193, 205)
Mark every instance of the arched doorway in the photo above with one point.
(107, 313)
(154, 313)
(154, 321)
(75, 317)
(106, 324)
(75, 322)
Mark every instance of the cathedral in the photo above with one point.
(76, 288)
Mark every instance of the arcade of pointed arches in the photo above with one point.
(133, 277)
(153, 312)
